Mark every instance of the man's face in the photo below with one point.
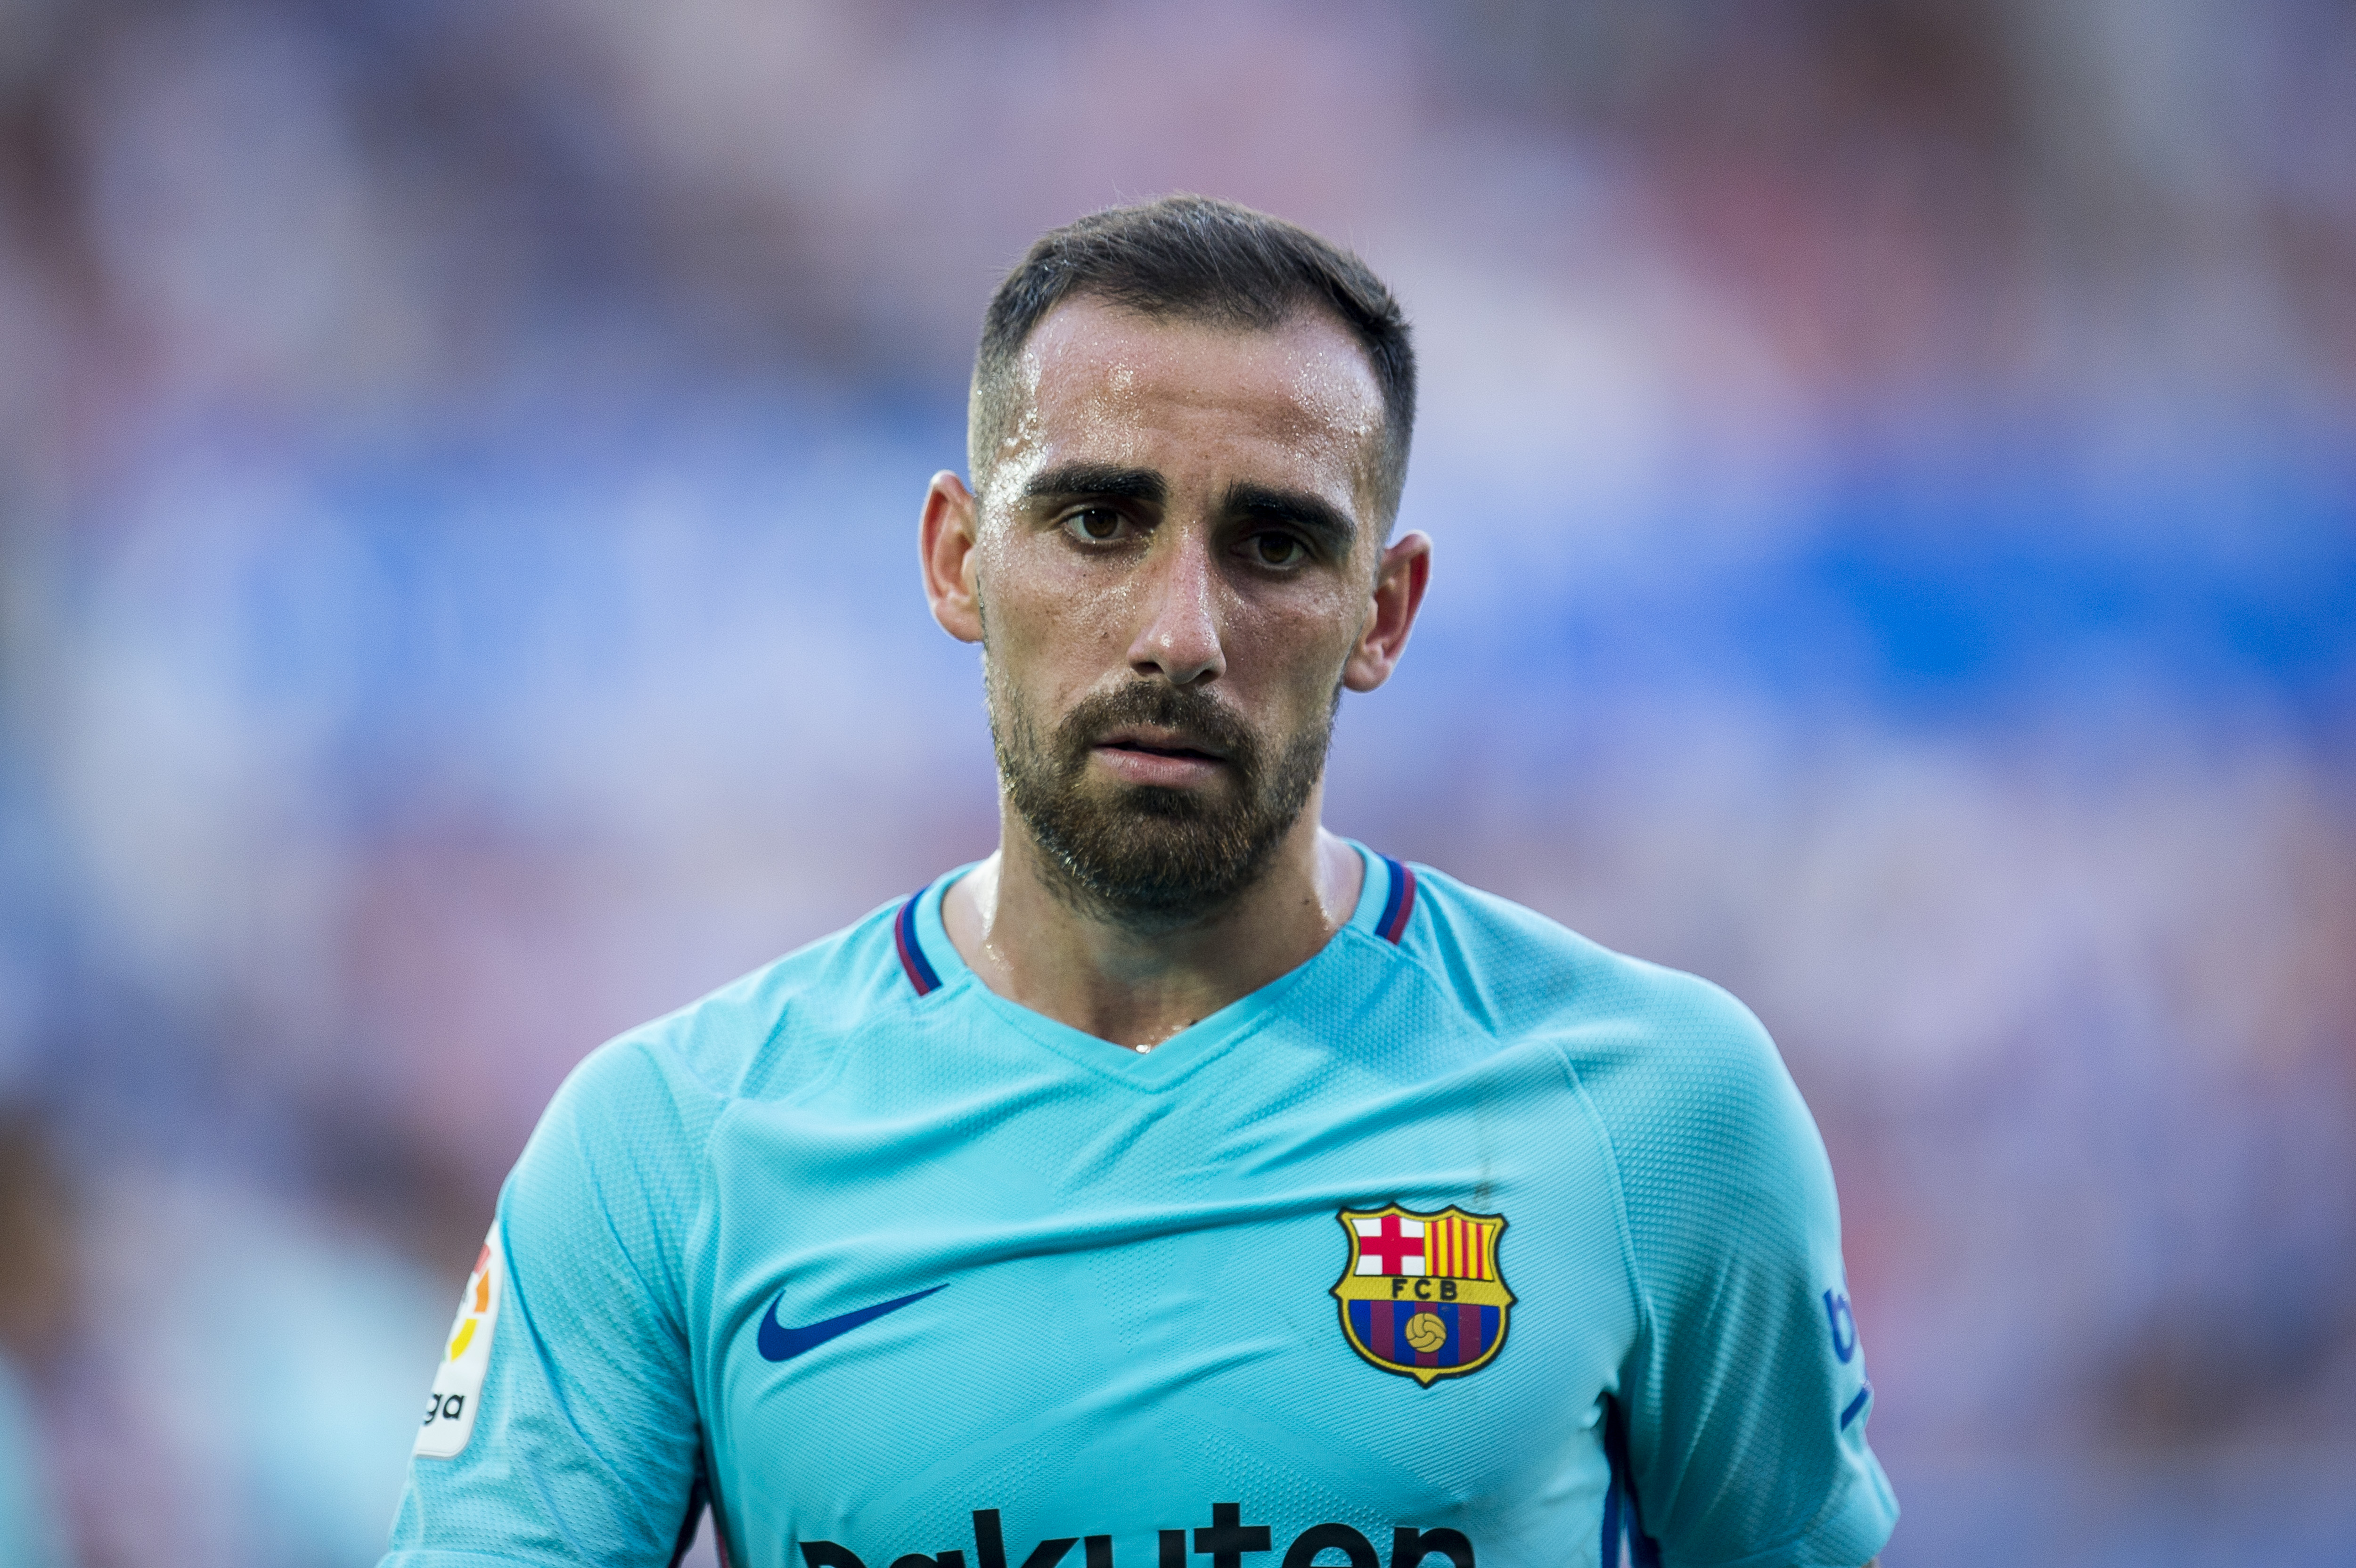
(1174, 564)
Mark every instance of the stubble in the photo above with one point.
(1149, 855)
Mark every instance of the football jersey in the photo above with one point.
(1466, 1240)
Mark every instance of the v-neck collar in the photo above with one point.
(940, 973)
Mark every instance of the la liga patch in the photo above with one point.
(457, 1389)
(1421, 1294)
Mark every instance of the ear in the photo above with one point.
(945, 543)
(1399, 581)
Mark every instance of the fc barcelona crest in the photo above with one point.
(1421, 1296)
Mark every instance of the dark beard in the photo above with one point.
(1144, 854)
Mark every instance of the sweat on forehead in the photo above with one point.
(1093, 368)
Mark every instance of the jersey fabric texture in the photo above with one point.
(1466, 1239)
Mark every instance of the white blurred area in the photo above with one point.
(1893, 469)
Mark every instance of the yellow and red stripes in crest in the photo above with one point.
(1455, 1247)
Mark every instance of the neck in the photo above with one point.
(1027, 940)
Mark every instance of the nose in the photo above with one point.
(1178, 639)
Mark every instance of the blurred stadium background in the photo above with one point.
(1893, 466)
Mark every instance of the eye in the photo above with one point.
(1095, 525)
(1275, 548)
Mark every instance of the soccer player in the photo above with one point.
(1183, 1185)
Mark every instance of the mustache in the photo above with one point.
(1202, 718)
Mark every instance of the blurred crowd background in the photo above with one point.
(1893, 471)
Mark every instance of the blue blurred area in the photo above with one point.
(1893, 472)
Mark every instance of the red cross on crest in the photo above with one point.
(1389, 1248)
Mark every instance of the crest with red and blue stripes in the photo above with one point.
(1421, 1294)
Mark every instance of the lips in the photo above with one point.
(1155, 742)
(1160, 737)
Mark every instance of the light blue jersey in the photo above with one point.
(1467, 1240)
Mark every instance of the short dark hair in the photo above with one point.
(1195, 258)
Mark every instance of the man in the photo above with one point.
(1182, 1187)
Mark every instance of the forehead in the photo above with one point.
(1103, 383)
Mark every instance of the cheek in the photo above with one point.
(1291, 650)
(1047, 624)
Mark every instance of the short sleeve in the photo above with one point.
(1738, 1430)
(574, 1437)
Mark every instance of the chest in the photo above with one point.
(1187, 1326)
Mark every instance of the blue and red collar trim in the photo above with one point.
(921, 973)
(1397, 905)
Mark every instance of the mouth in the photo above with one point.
(1160, 744)
(1151, 756)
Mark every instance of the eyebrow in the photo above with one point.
(1098, 479)
(1333, 529)
(1327, 525)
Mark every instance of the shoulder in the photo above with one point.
(761, 1033)
(1522, 971)
(1687, 1086)
(621, 1157)
(654, 1091)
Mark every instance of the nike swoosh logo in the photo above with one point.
(779, 1343)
